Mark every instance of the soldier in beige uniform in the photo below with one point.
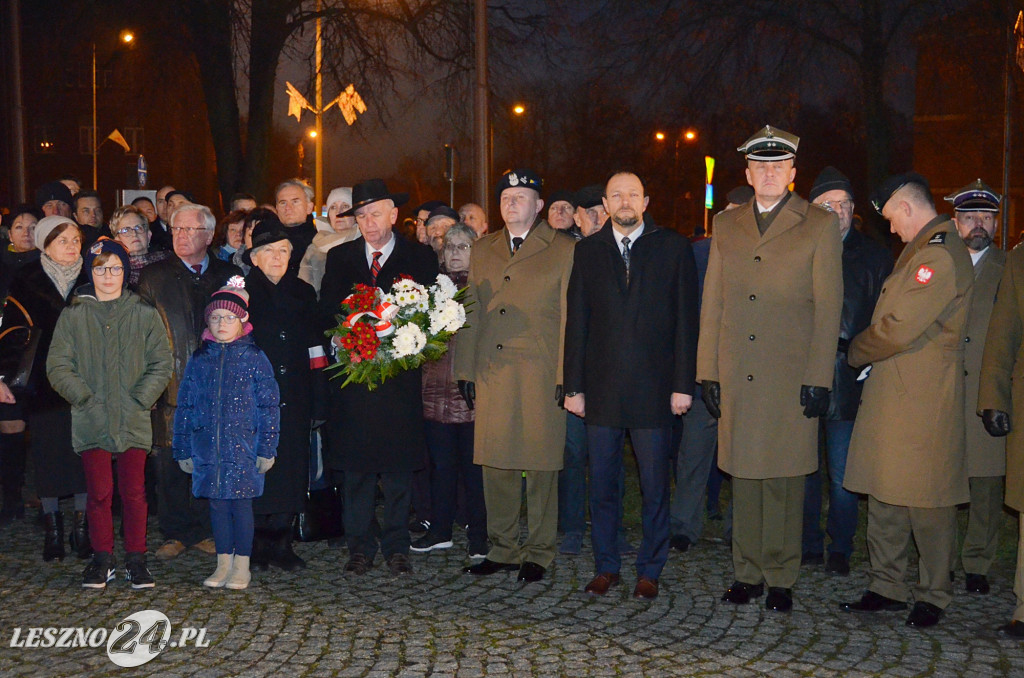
(768, 331)
(907, 451)
(1001, 401)
(976, 214)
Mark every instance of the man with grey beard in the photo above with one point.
(976, 214)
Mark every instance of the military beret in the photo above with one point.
(513, 178)
(976, 196)
(740, 195)
(589, 196)
(830, 179)
(567, 196)
(893, 184)
(770, 144)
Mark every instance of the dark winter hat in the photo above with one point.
(53, 190)
(183, 194)
(430, 206)
(267, 230)
(108, 246)
(373, 190)
(232, 297)
(976, 196)
(830, 179)
(566, 196)
(526, 178)
(740, 195)
(893, 184)
(589, 196)
(443, 211)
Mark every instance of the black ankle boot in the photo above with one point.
(79, 538)
(53, 543)
(282, 555)
(260, 559)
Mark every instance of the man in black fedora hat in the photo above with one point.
(376, 434)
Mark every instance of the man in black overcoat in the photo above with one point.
(376, 434)
(630, 363)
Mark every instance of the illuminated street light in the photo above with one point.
(312, 134)
(127, 36)
(690, 135)
(519, 109)
(660, 136)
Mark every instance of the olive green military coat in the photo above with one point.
(986, 455)
(769, 325)
(908, 441)
(512, 348)
(1002, 370)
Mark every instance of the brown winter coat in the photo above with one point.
(908, 442)
(770, 324)
(986, 455)
(1002, 371)
(512, 348)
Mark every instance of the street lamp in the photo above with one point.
(519, 109)
(688, 135)
(127, 38)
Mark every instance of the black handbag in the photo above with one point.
(22, 340)
(321, 516)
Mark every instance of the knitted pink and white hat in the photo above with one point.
(232, 297)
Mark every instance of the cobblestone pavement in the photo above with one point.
(441, 622)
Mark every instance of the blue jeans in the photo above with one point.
(652, 448)
(232, 523)
(842, 511)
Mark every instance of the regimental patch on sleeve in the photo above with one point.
(937, 239)
(924, 274)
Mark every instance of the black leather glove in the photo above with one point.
(711, 393)
(815, 401)
(559, 396)
(467, 389)
(996, 422)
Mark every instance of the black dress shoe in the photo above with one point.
(838, 564)
(924, 615)
(873, 602)
(531, 572)
(740, 593)
(977, 583)
(779, 599)
(486, 566)
(680, 543)
(1014, 629)
(812, 559)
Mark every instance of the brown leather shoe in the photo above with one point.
(646, 589)
(358, 564)
(600, 584)
(398, 564)
(206, 546)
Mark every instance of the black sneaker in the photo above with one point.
(136, 573)
(419, 527)
(99, 571)
(430, 542)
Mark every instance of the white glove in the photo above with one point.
(263, 464)
(186, 465)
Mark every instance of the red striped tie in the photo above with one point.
(375, 268)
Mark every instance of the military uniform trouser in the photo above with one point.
(503, 496)
(889, 530)
(1018, 579)
(984, 518)
(766, 529)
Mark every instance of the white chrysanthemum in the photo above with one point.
(408, 340)
(455, 315)
(408, 293)
(444, 289)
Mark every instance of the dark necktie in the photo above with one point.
(375, 268)
(198, 268)
(516, 242)
(625, 256)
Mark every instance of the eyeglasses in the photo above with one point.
(186, 230)
(836, 205)
(129, 229)
(225, 319)
(458, 247)
(104, 270)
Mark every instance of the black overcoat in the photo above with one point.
(381, 430)
(628, 347)
(286, 322)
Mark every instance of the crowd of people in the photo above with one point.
(185, 357)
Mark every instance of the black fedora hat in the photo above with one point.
(373, 190)
(268, 229)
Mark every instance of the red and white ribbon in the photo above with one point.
(317, 357)
(383, 314)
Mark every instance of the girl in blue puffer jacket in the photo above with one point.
(226, 428)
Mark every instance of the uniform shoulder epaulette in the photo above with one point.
(938, 239)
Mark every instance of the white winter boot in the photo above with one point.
(220, 575)
(239, 577)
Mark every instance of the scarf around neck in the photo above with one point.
(63, 276)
